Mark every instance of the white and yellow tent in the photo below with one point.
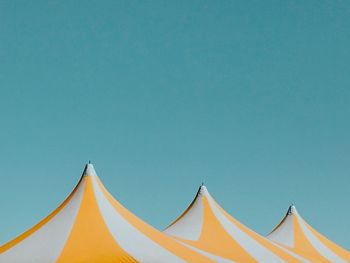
(91, 226)
(294, 233)
(207, 226)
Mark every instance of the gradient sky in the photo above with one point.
(250, 97)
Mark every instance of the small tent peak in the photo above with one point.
(292, 210)
(89, 169)
(202, 187)
(203, 190)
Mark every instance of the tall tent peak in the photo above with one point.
(92, 226)
(89, 170)
(203, 189)
(292, 210)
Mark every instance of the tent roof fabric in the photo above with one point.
(91, 226)
(206, 226)
(294, 233)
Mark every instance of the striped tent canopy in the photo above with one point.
(207, 226)
(294, 233)
(91, 226)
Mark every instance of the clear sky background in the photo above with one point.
(251, 97)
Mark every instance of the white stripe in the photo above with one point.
(46, 244)
(292, 253)
(284, 234)
(318, 245)
(211, 256)
(190, 225)
(134, 242)
(253, 248)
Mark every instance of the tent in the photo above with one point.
(207, 226)
(91, 226)
(293, 232)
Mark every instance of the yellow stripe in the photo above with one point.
(164, 241)
(261, 240)
(341, 252)
(90, 239)
(302, 245)
(214, 239)
(40, 224)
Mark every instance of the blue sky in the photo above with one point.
(250, 97)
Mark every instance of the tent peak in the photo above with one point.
(292, 210)
(202, 186)
(89, 169)
(203, 190)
